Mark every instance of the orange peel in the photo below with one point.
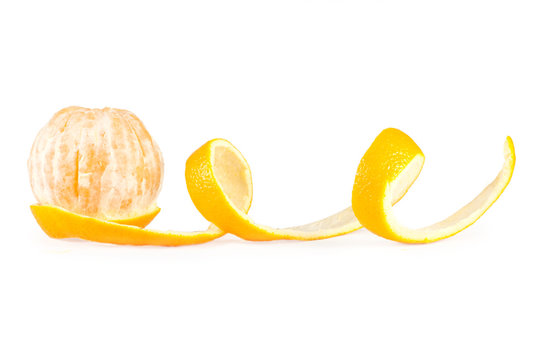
(60, 223)
(389, 163)
(140, 220)
(212, 175)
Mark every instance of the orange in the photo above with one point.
(100, 163)
(97, 173)
(59, 223)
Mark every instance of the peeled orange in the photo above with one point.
(100, 163)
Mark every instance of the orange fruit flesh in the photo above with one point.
(98, 162)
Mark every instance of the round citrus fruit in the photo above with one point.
(100, 163)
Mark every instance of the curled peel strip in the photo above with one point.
(220, 185)
(60, 223)
(383, 173)
(214, 180)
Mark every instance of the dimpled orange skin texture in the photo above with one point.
(100, 163)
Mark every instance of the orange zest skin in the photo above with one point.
(213, 174)
(393, 158)
(212, 171)
(59, 223)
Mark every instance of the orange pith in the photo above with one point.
(59, 223)
(96, 162)
(211, 175)
(383, 173)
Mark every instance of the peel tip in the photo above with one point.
(509, 149)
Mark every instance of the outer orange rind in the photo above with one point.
(385, 170)
(60, 223)
(212, 175)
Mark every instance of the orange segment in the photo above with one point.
(214, 181)
(384, 173)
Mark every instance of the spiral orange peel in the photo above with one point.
(212, 181)
(60, 223)
(391, 160)
(219, 182)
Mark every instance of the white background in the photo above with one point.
(301, 88)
